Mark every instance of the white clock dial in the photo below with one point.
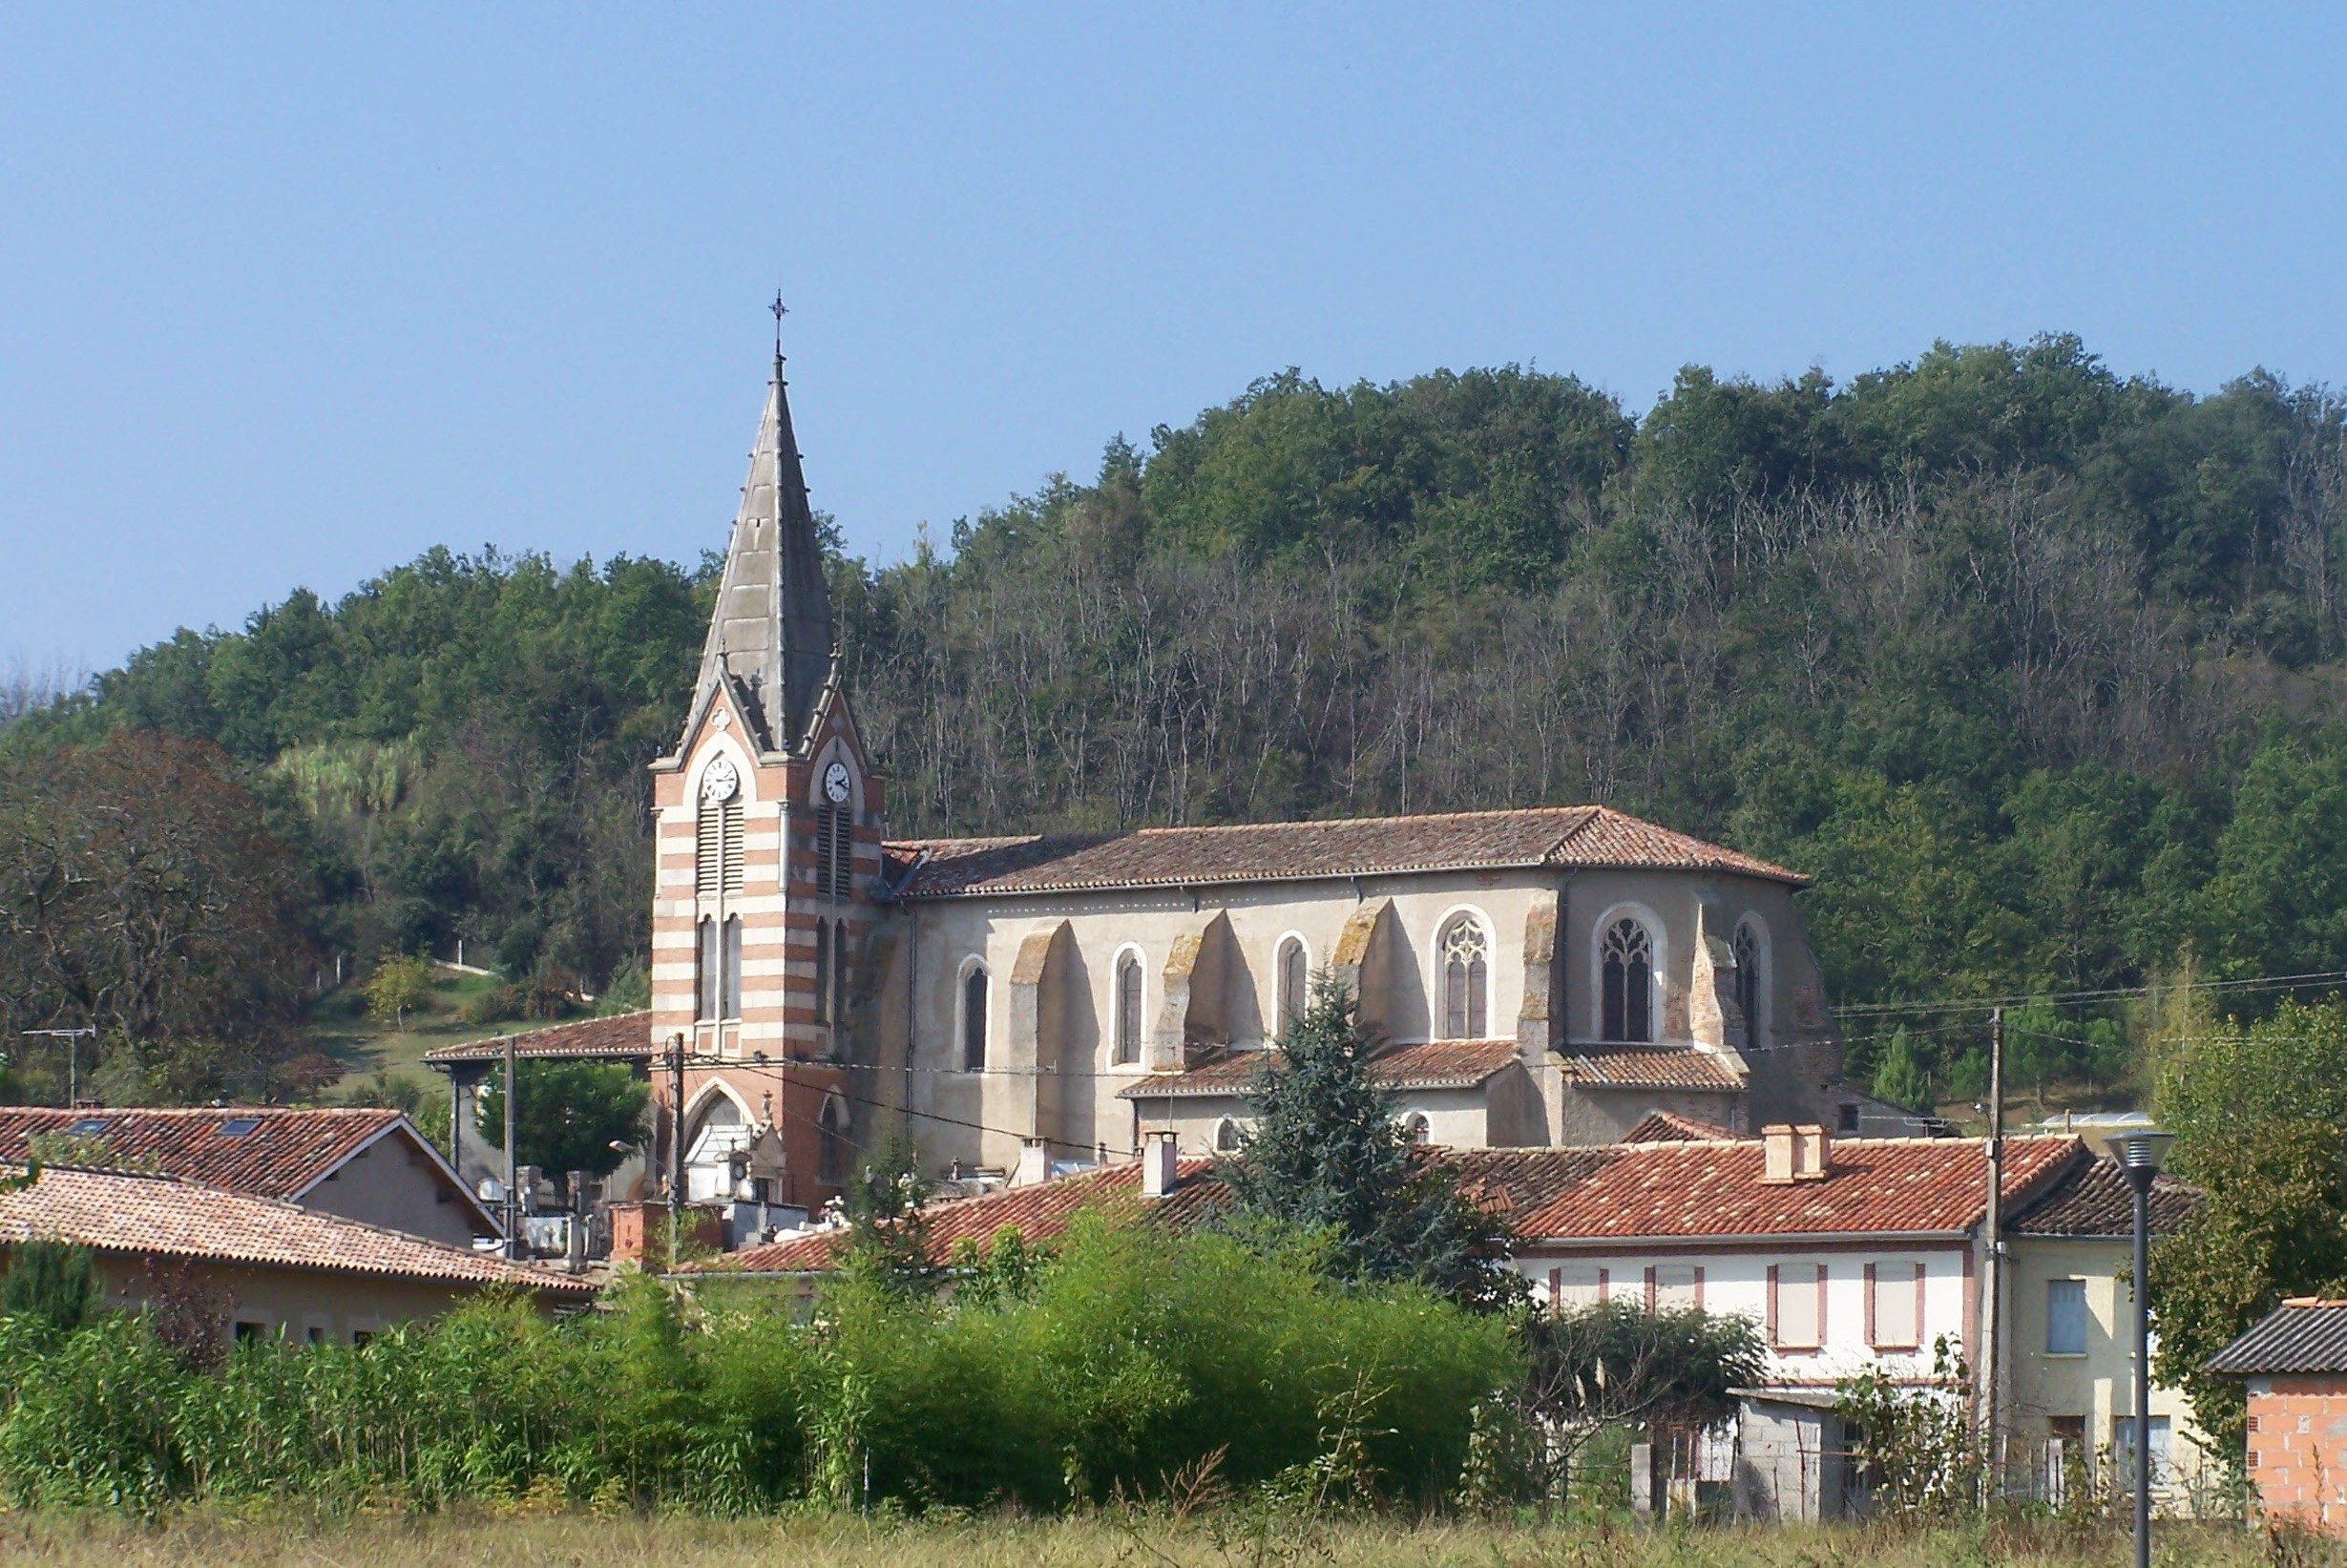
(835, 783)
(720, 782)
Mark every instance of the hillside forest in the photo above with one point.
(2039, 669)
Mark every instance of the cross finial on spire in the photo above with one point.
(780, 311)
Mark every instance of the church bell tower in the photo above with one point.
(769, 828)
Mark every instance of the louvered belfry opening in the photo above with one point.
(835, 853)
(718, 858)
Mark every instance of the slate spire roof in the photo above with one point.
(771, 635)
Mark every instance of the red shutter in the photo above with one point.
(1650, 1287)
(1604, 1284)
(1773, 1337)
(1556, 1289)
(1699, 1288)
(1821, 1307)
(1870, 1304)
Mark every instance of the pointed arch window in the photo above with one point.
(839, 974)
(730, 990)
(832, 1145)
(1466, 978)
(1628, 982)
(1294, 971)
(1751, 989)
(706, 969)
(823, 971)
(1128, 1008)
(973, 1020)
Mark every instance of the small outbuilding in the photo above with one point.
(2294, 1362)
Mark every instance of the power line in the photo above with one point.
(2273, 982)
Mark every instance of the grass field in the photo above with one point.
(370, 1051)
(824, 1540)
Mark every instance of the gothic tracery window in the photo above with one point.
(1294, 981)
(1750, 997)
(1128, 1008)
(974, 1021)
(1628, 982)
(1466, 974)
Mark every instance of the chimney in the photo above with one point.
(1790, 1154)
(1034, 1162)
(1159, 1174)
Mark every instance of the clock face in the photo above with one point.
(835, 783)
(720, 782)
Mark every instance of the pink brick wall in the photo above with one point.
(2298, 1449)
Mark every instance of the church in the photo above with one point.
(1020, 1006)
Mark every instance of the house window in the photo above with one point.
(1128, 1008)
(1573, 1286)
(1627, 983)
(832, 1145)
(2065, 1317)
(1895, 1306)
(1466, 974)
(974, 1021)
(732, 988)
(1294, 982)
(1751, 991)
(1674, 1287)
(1226, 1136)
(1420, 1131)
(1797, 1306)
(823, 971)
(2122, 1451)
(706, 971)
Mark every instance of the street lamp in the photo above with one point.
(2141, 1149)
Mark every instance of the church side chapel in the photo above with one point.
(1023, 1005)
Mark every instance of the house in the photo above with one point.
(1852, 1256)
(365, 1164)
(256, 1266)
(1021, 1003)
(2295, 1364)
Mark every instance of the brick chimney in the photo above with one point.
(1159, 1173)
(1790, 1153)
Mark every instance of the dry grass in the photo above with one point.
(573, 1540)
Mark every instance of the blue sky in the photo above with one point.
(288, 294)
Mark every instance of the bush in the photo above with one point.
(1130, 1354)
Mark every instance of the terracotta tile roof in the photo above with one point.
(1436, 1064)
(623, 1037)
(1652, 1067)
(164, 1216)
(1556, 836)
(2093, 1199)
(268, 1151)
(2304, 1334)
(1665, 1127)
(1872, 1186)
(1038, 1212)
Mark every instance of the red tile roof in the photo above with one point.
(1900, 1186)
(1652, 1067)
(1038, 1212)
(622, 1036)
(1666, 1127)
(163, 1215)
(1543, 837)
(1436, 1064)
(281, 1152)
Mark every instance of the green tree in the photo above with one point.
(1615, 1364)
(1899, 1078)
(1326, 1154)
(567, 1115)
(2256, 1110)
(55, 1282)
(402, 983)
(887, 1236)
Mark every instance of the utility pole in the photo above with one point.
(676, 1143)
(512, 1202)
(1992, 1299)
(73, 1038)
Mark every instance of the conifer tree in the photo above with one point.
(1326, 1154)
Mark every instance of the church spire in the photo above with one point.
(771, 635)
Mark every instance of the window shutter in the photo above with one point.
(1774, 1337)
(1650, 1287)
(1872, 1337)
(1604, 1284)
(1699, 1288)
(1556, 1289)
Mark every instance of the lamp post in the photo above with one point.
(2140, 1151)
